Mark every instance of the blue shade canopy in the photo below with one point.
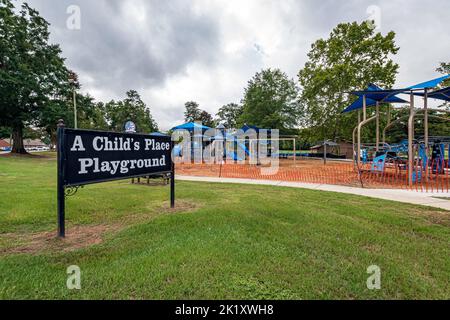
(373, 95)
(159, 134)
(358, 104)
(191, 126)
(247, 127)
(429, 84)
(443, 94)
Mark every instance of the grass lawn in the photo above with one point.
(223, 242)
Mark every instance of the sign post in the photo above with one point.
(60, 184)
(172, 180)
(88, 157)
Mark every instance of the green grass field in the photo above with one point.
(223, 242)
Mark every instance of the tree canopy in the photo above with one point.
(270, 101)
(193, 113)
(229, 115)
(353, 56)
(132, 108)
(36, 90)
(444, 68)
(32, 71)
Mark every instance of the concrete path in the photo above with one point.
(413, 197)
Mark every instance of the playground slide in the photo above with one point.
(233, 155)
(177, 150)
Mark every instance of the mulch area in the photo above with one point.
(315, 171)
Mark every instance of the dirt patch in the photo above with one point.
(314, 171)
(151, 183)
(432, 217)
(77, 237)
(180, 206)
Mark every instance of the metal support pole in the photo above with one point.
(364, 108)
(356, 157)
(388, 123)
(425, 120)
(410, 140)
(295, 151)
(325, 153)
(172, 180)
(75, 113)
(378, 126)
(359, 135)
(60, 183)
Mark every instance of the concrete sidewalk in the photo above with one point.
(412, 197)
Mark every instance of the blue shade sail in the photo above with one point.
(429, 84)
(190, 126)
(373, 95)
(443, 94)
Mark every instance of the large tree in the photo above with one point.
(353, 56)
(270, 101)
(192, 111)
(92, 114)
(207, 119)
(444, 68)
(32, 72)
(5, 132)
(132, 108)
(229, 115)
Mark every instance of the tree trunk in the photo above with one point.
(17, 135)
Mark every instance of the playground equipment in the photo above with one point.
(419, 163)
(236, 145)
(376, 96)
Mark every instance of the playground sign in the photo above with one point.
(87, 157)
(130, 127)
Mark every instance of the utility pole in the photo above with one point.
(75, 107)
(73, 80)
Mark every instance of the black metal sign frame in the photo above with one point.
(70, 180)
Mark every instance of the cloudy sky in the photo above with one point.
(178, 50)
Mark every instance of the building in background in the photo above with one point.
(29, 144)
(4, 145)
(339, 150)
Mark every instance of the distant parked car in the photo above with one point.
(42, 149)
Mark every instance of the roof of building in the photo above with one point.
(4, 144)
(29, 142)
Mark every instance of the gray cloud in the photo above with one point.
(118, 52)
(177, 50)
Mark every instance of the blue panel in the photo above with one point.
(190, 127)
(430, 84)
(247, 127)
(443, 94)
(374, 94)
